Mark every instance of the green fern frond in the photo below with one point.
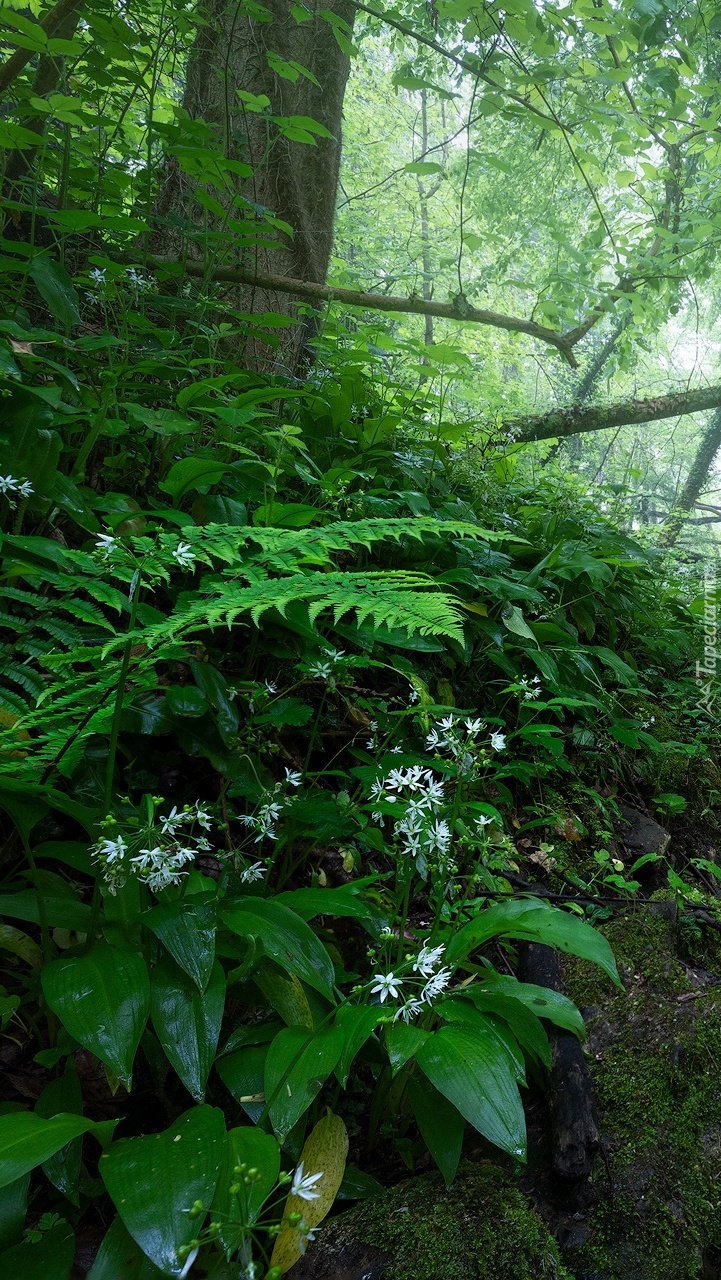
(317, 545)
(398, 599)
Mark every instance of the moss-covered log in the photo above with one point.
(579, 418)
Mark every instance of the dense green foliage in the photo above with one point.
(297, 662)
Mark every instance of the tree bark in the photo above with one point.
(293, 180)
(579, 418)
(19, 176)
(695, 481)
(574, 1133)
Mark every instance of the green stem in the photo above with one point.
(134, 598)
(42, 909)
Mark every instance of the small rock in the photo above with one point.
(641, 834)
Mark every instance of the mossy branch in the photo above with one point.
(579, 418)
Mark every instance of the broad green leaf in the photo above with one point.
(60, 912)
(190, 474)
(20, 944)
(345, 901)
(27, 1140)
(515, 621)
(475, 1071)
(423, 167)
(242, 1073)
(153, 1181)
(63, 1095)
(257, 1150)
(545, 1003)
(13, 1207)
(285, 994)
(356, 1022)
(296, 1068)
(219, 698)
(56, 289)
(534, 921)
(403, 1043)
(187, 1021)
(187, 930)
(325, 1152)
(120, 1256)
(523, 1026)
(440, 1122)
(285, 937)
(103, 1000)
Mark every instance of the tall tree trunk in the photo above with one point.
(19, 177)
(423, 196)
(695, 481)
(294, 180)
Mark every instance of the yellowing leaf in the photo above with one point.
(284, 992)
(326, 1152)
(12, 939)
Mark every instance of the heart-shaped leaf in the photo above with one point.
(102, 999)
(154, 1181)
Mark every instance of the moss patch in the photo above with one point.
(656, 1052)
(482, 1228)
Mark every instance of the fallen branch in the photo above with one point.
(579, 418)
(458, 309)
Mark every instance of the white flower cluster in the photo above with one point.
(427, 966)
(530, 689)
(265, 818)
(458, 738)
(422, 833)
(140, 283)
(326, 667)
(10, 487)
(163, 860)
